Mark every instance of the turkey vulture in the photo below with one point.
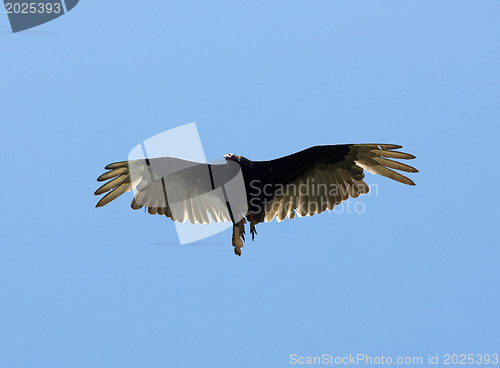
(301, 184)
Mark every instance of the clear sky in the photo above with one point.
(416, 273)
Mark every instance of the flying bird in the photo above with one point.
(240, 190)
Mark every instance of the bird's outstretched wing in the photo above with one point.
(321, 177)
(179, 189)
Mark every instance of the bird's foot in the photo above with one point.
(253, 230)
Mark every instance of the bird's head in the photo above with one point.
(232, 157)
(235, 158)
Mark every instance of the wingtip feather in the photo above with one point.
(116, 165)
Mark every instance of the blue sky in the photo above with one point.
(415, 274)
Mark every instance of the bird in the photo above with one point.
(304, 183)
